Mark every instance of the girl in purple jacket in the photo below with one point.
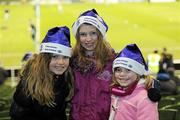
(129, 100)
(92, 66)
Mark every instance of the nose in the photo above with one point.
(88, 37)
(122, 73)
(60, 61)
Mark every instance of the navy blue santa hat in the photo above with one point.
(57, 41)
(131, 58)
(93, 18)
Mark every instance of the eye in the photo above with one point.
(83, 34)
(55, 56)
(127, 70)
(124, 70)
(93, 33)
(65, 57)
(118, 69)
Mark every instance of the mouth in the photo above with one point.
(123, 81)
(124, 78)
(59, 67)
(89, 44)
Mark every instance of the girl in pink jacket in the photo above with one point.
(129, 99)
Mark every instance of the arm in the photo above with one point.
(18, 112)
(154, 92)
(21, 107)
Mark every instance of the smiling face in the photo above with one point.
(124, 76)
(59, 64)
(88, 36)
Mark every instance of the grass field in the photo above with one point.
(154, 25)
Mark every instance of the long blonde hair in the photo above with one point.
(37, 76)
(103, 52)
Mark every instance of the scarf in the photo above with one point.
(120, 91)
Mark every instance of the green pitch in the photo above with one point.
(154, 25)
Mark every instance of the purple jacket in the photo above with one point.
(92, 96)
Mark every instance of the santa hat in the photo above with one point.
(91, 17)
(57, 41)
(131, 58)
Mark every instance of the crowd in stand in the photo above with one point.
(162, 66)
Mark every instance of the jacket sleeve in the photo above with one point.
(21, 107)
(147, 110)
(18, 112)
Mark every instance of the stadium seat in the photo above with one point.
(4, 114)
(175, 106)
(5, 118)
(2, 105)
(178, 116)
(167, 114)
(177, 97)
(166, 101)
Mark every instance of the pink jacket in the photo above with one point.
(136, 106)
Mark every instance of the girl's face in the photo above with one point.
(59, 64)
(88, 36)
(125, 77)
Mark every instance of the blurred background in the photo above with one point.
(152, 24)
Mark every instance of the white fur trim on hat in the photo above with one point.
(91, 20)
(55, 48)
(129, 64)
